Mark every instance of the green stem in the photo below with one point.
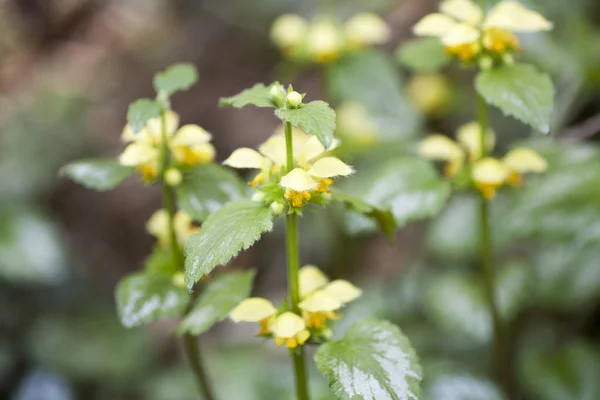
(168, 196)
(293, 260)
(500, 359)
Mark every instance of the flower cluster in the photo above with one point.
(464, 159)
(473, 36)
(189, 145)
(325, 39)
(158, 226)
(321, 301)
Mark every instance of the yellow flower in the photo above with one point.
(324, 41)
(469, 136)
(288, 32)
(520, 161)
(355, 123)
(289, 329)
(463, 28)
(430, 93)
(488, 175)
(191, 145)
(158, 226)
(366, 29)
(255, 309)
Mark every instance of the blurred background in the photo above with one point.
(68, 70)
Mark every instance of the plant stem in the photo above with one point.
(293, 260)
(168, 195)
(487, 261)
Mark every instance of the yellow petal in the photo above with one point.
(515, 17)
(440, 148)
(311, 278)
(138, 153)
(158, 226)
(469, 135)
(463, 10)
(367, 29)
(128, 136)
(324, 40)
(288, 30)
(525, 160)
(288, 325)
(489, 171)
(298, 180)
(274, 149)
(435, 24)
(154, 125)
(254, 309)
(193, 155)
(302, 336)
(342, 290)
(184, 227)
(309, 150)
(328, 167)
(190, 135)
(320, 301)
(247, 158)
(461, 34)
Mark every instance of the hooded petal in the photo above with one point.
(461, 34)
(288, 325)
(274, 149)
(342, 290)
(298, 180)
(138, 153)
(320, 301)
(515, 17)
(435, 24)
(311, 278)
(329, 167)
(469, 135)
(154, 125)
(191, 135)
(254, 309)
(525, 160)
(489, 171)
(367, 29)
(463, 10)
(247, 158)
(440, 148)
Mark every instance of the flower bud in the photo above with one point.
(277, 93)
(277, 208)
(258, 196)
(173, 177)
(178, 280)
(294, 99)
(486, 62)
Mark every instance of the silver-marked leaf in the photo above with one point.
(140, 111)
(206, 188)
(143, 298)
(383, 217)
(218, 298)
(314, 118)
(97, 174)
(177, 77)
(520, 91)
(234, 227)
(423, 54)
(373, 361)
(258, 95)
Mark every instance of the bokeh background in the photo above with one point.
(68, 70)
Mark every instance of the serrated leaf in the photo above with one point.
(143, 298)
(140, 111)
(423, 54)
(177, 77)
(520, 91)
(408, 185)
(205, 189)
(218, 298)
(236, 226)
(373, 361)
(383, 217)
(314, 118)
(97, 174)
(258, 95)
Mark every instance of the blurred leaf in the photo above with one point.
(461, 387)
(233, 227)
(423, 54)
(218, 298)
(374, 360)
(314, 118)
(143, 298)
(206, 188)
(258, 95)
(177, 77)
(98, 174)
(372, 79)
(383, 217)
(160, 261)
(513, 288)
(140, 111)
(520, 91)
(42, 385)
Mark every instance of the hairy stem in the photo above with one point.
(293, 261)
(168, 196)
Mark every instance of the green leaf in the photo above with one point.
(383, 217)
(258, 95)
(314, 118)
(218, 298)
(408, 185)
(143, 298)
(461, 386)
(373, 361)
(520, 91)
(234, 227)
(206, 188)
(140, 111)
(177, 77)
(423, 54)
(160, 261)
(98, 174)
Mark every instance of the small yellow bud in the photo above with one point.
(508, 59)
(258, 196)
(277, 93)
(277, 208)
(430, 93)
(173, 177)
(294, 99)
(178, 280)
(486, 62)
